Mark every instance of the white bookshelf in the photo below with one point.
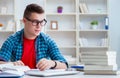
(94, 40)
(7, 18)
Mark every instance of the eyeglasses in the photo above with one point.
(36, 22)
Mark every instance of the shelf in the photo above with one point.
(93, 14)
(69, 30)
(69, 6)
(67, 46)
(94, 47)
(60, 14)
(6, 31)
(91, 30)
(6, 14)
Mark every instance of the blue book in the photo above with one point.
(78, 67)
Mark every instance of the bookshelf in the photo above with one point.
(7, 19)
(93, 40)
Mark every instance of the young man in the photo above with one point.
(30, 46)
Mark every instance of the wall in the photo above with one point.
(114, 12)
(114, 28)
(21, 4)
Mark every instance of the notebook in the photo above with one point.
(55, 72)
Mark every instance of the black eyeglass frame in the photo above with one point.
(36, 22)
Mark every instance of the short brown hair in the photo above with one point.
(32, 8)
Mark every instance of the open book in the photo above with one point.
(9, 70)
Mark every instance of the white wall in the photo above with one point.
(114, 28)
(21, 4)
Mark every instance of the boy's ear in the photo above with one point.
(24, 20)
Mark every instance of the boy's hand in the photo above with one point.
(19, 62)
(44, 64)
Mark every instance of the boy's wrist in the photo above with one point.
(55, 64)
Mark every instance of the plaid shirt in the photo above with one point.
(45, 47)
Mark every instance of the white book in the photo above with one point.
(80, 42)
(81, 8)
(100, 67)
(84, 41)
(94, 53)
(100, 72)
(5, 65)
(85, 8)
(10, 68)
(98, 63)
(90, 60)
(94, 56)
(16, 68)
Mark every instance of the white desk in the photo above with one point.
(78, 76)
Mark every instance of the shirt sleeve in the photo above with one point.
(54, 51)
(6, 49)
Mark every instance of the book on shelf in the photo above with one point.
(83, 41)
(83, 8)
(104, 42)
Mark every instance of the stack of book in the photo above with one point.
(99, 62)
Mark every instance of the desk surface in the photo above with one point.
(80, 75)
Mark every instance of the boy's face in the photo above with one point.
(33, 24)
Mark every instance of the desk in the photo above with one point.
(78, 76)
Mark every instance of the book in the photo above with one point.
(81, 8)
(9, 69)
(5, 65)
(100, 72)
(10, 66)
(94, 56)
(94, 60)
(16, 68)
(83, 42)
(100, 67)
(93, 53)
(85, 8)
